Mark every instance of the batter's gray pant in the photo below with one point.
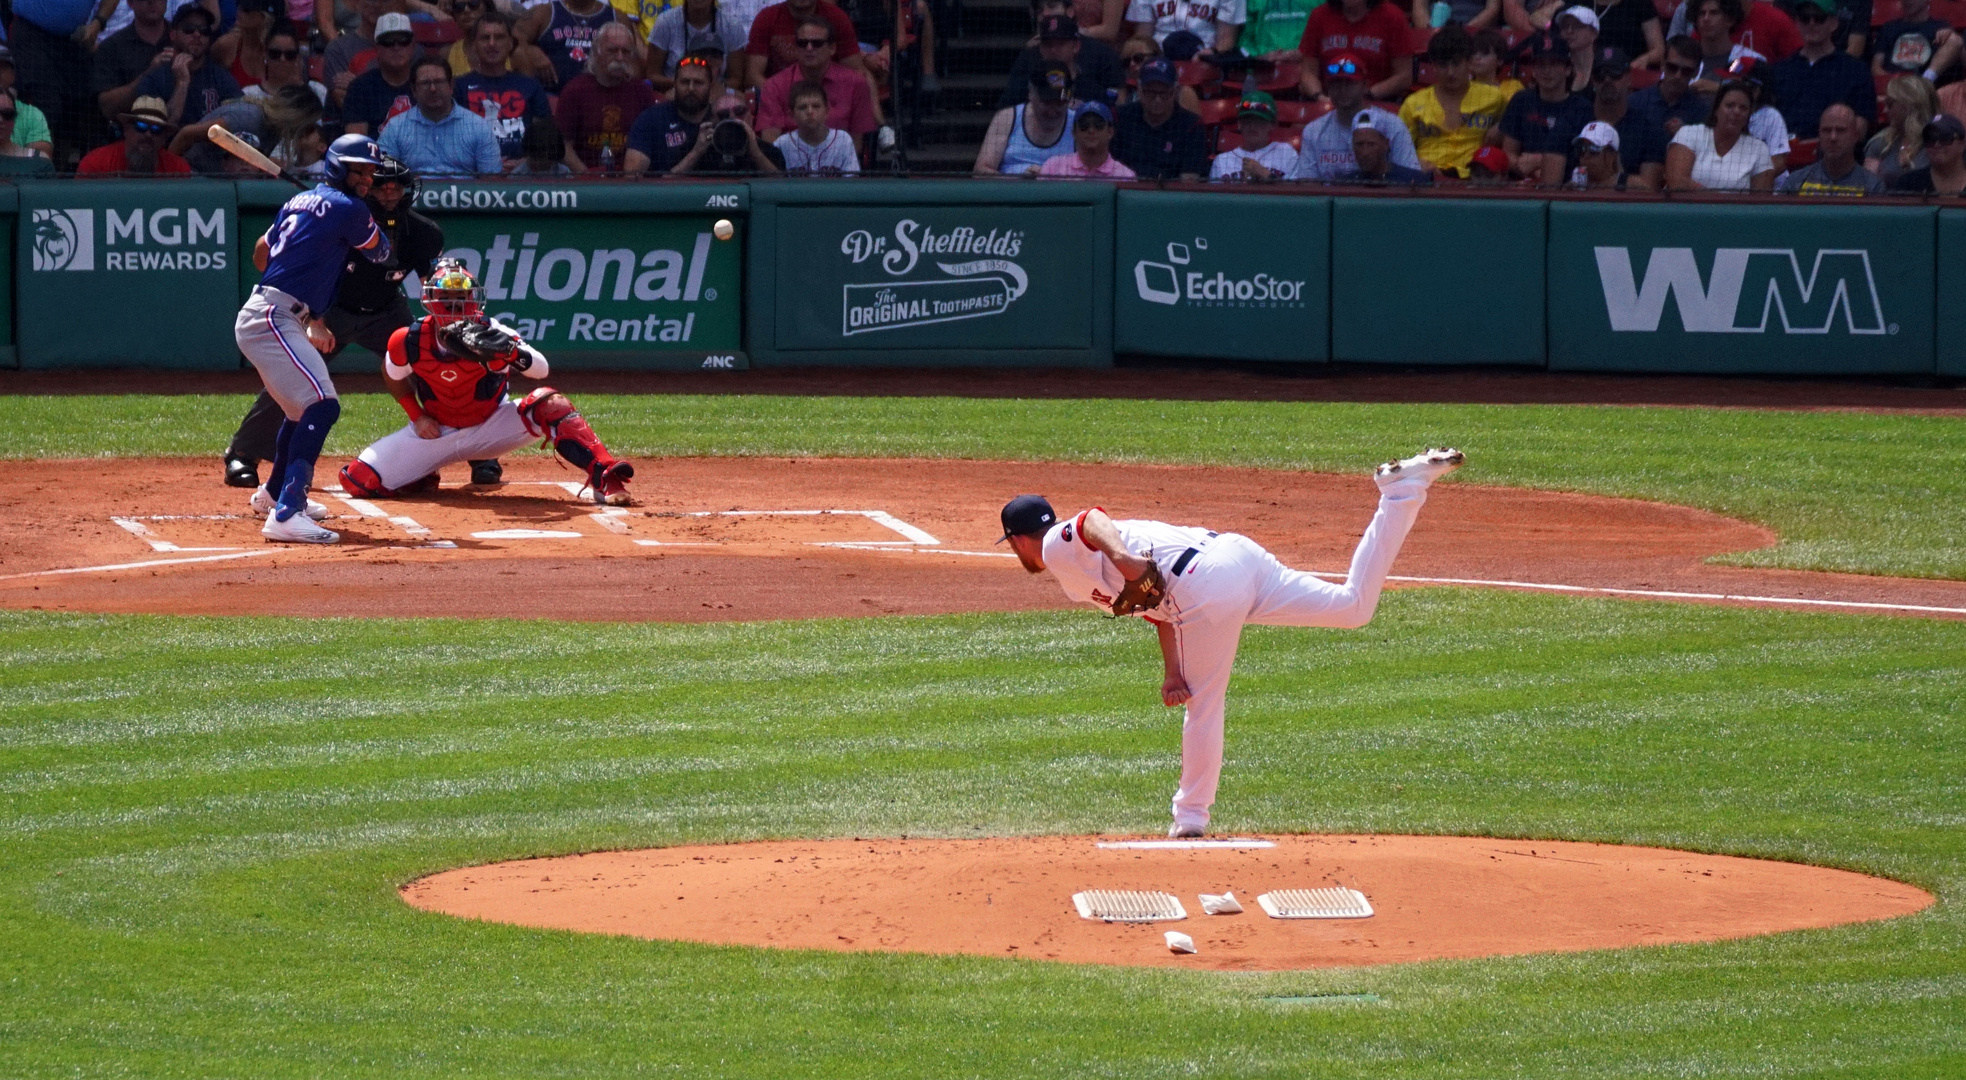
(261, 426)
(272, 334)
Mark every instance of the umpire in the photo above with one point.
(369, 306)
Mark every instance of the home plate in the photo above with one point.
(525, 534)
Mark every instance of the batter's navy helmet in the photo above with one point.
(350, 150)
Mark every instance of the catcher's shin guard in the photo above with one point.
(359, 478)
(548, 411)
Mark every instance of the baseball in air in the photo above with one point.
(723, 229)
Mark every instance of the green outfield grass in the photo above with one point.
(200, 844)
(1851, 492)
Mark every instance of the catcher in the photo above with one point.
(449, 371)
(1200, 589)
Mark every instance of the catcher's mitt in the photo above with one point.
(481, 341)
(1144, 593)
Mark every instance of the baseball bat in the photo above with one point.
(234, 145)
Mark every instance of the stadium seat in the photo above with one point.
(1217, 111)
(1283, 78)
(1292, 135)
(1423, 75)
(1883, 11)
(1802, 152)
(1226, 139)
(431, 32)
(1198, 72)
(1665, 8)
(1299, 113)
(1952, 11)
(1644, 77)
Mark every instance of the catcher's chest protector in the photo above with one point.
(459, 393)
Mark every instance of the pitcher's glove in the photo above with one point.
(1144, 593)
(483, 342)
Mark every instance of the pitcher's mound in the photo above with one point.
(1434, 897)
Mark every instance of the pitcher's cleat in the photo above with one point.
(263, 503)
(1423, 468)
(1178, 831)
(297, 530)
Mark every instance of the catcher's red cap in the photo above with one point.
(1026, 514)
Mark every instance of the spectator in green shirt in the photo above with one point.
(1275, 27)
(31, 126)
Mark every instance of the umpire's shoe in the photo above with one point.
(487, 472)
(241, 473)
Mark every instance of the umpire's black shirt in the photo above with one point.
(415, 242)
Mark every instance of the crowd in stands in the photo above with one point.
(1808, 97)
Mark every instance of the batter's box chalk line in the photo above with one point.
(1128, 905)
(1331, 903)
(136, 527)
(1661, 594)
(1226, 843)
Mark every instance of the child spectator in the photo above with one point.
(545, 150)
(1599, 165)
(812, 148)
(1485, 64)
(1541, 122)
(1091, 157)
(1257, 158)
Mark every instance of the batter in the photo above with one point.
(449, 371)
(280, 331)
(1216, 583)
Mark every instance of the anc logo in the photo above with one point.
(64, 239)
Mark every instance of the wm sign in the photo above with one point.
(1750, 291)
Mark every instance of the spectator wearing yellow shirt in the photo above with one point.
(1455, 116)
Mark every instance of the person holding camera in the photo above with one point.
(727, 143)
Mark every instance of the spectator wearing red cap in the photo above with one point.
(1541, 122)
(1376, 36)
(1327, 144)
(1489, 167)
(1257, 158)
(1091, 157)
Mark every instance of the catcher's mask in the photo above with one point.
(452, 293)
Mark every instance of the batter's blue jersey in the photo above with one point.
(310, 240)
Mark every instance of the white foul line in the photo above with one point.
(138, 565)
(1667, 594)
(142, 532)
(407, 524)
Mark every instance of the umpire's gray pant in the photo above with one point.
(272, 333)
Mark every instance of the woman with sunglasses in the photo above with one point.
(1945, 147)
(15, 159)
(281, 65)
(1909, 104)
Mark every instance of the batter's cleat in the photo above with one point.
(297, 529)
(1178, 831)
(263, 503)
(241, 473)
(1423, 467)
(610, 484)
(487, 472)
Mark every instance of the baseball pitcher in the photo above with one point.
(1200, 588)
(449, 371)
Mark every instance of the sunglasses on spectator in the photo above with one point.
(283, 54)
(1688, 70)
(395, 41)
(197, 29)
(812, 43)
(1342, 67)
(143, 127)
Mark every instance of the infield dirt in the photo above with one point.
(688, 552)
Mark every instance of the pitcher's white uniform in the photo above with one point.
(1217, 584)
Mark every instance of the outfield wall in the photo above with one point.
(1016, 273)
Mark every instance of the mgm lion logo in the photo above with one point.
(64, 239)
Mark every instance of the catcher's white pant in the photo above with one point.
(401, 458)
(1232, 582)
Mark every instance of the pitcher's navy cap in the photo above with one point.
(1026, 514)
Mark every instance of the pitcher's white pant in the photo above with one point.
(1233, 582)
(401, 458)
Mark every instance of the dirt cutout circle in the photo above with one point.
(1434, 897)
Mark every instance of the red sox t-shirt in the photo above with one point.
(1379, 38)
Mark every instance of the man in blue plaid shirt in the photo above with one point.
(439, 137)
